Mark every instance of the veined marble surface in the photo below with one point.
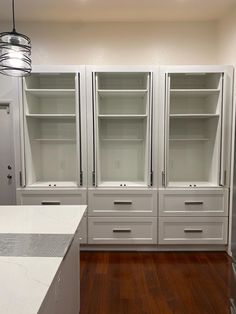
(58, 219)
(25, 280)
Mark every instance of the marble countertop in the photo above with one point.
(27, 270)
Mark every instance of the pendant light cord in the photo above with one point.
(13, 16)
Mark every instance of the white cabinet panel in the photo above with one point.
(184, 230)
(193, 202)
(122, 230)
(51, 197)
(122, 203)
(83, 231)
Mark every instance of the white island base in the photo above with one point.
(39, 284)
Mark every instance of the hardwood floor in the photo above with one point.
(155, 283)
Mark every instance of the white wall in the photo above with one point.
(227, 38)
(122, 43)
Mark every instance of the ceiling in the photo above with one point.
(116, 10)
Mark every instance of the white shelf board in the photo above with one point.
(194, 92)
(58, 184)
(55, 139)
(52, 116)
(189, 139)
(122, 139)
(107, 93)
(201, 116)
(188, 183)
(51, 92)
(118, 184)
(122, 116)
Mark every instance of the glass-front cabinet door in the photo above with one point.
(193, 129)
(51, 137)
(122, 106)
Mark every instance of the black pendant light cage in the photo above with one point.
(15, 52)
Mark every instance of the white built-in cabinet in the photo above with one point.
(53, 138)
(122, 201)
(147, 148)
(196, 146)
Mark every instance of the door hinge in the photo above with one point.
(151, 178)
(81, 178)
(93, 178)
(163, 177)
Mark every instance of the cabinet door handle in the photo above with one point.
(50, 203)
(121, 230)
(193, 230)
(193, 202)
(122, 202)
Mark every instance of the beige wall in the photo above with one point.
(227, 38)
(122, 43)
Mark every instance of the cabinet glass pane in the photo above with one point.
(50, 130)
(50, 81)
(122, 128)
(195, 81)
(122, 103)
(50, 104)
(193, 151)
(194, 129)
(120, 81)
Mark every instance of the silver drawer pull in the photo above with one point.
(122, 202)
(50, 203)
(193, 230)
(193, 202)
(121, 230)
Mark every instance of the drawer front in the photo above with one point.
(199, 203)
(122, 230)
(125, 203)
(83, 231)
(184, 230)
(52, 198)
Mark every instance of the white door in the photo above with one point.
(7, 179)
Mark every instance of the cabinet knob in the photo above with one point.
(9, 176)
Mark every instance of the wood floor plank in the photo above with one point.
(155, 283)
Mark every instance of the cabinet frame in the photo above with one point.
(224, 123)
(93, 170)
(80, 123)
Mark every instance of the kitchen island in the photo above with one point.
(39, 259)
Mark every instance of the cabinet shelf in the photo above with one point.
(55, 139)
(51, 92)
(197, 116)
(122, 184)
(189, 139)
(108, 93)
(123, 139)
(53, 184)
(52, 116)
(191, 184)
(194, 92)
(122, 116)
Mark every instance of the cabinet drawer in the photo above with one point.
(51, 198)
(193, 203)
(122, 203)
(184, 230)
(83, 231)
(122, 230)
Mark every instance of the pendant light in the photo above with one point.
(15, 51)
